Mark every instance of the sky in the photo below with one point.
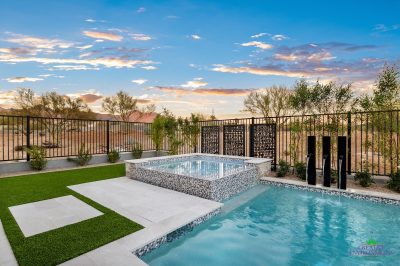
(191, 56)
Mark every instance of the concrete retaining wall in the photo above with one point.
(7, 168)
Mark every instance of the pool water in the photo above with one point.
(283, 226)
(201, 168)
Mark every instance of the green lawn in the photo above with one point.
(59, 245)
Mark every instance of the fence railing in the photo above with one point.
(64, 137)
(373, 137)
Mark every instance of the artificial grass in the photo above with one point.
(56, 246)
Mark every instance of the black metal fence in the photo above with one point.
(64, 137)
(373, 137)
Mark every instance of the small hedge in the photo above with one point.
(137, 150)
(364, 178)
(394, 181)
(300, 169)
(37, 156)
(83, 157)
(113, 156)
(283, 169)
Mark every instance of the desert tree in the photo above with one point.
(272, 101)
(190, 128)
(121, 106)
(385, 97)
(51, 105)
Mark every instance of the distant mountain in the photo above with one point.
(135, 117)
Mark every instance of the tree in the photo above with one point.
(165, 125)
(157, 132)
(257, 103)
(331, 97)
(51, 105)
(121, 106)
(386, 95)
(280, 97)
(273, 101)
(301, 100)
(191, 129)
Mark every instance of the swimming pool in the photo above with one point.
(283, 226)
(215, 177)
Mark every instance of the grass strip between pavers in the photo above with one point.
(59, 245)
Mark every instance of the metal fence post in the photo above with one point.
(28, 136)
(108, 136)
(251, 138)
(349, 143)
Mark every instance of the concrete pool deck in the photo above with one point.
(161, 211)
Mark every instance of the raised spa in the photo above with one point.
(215, 177)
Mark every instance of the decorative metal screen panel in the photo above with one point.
(263, 141)
(210, 139)
(235, 140)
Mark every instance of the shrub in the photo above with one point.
(137, 150)
(283, 168)
(37, 155)
(334, 176)
(394, 181)
(113, 156)
(300, 169)
(83, 157)
(364, 178)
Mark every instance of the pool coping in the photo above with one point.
(349, 192)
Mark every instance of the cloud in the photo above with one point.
(22, 79)
(205, 91)
(141, 37)
(260, 45)
(139, 81)
(149, 67)
(195, 37)
(321, 56)
(84, 47)
(286, 57)
(72, 67)
(114, 52)
(109, 62)
(386, 28)
(39, 43)
(103, 35)
(94, 20)
(51, 75)
(263, 71)
(259, 35)
(317, 52)
(279, 37)
(171, 17)
(7, 99)
(90, 97)
(19, 50)
(141, 10)
(195, 83)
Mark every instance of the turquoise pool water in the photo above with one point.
(283, 226)
(201, 168)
